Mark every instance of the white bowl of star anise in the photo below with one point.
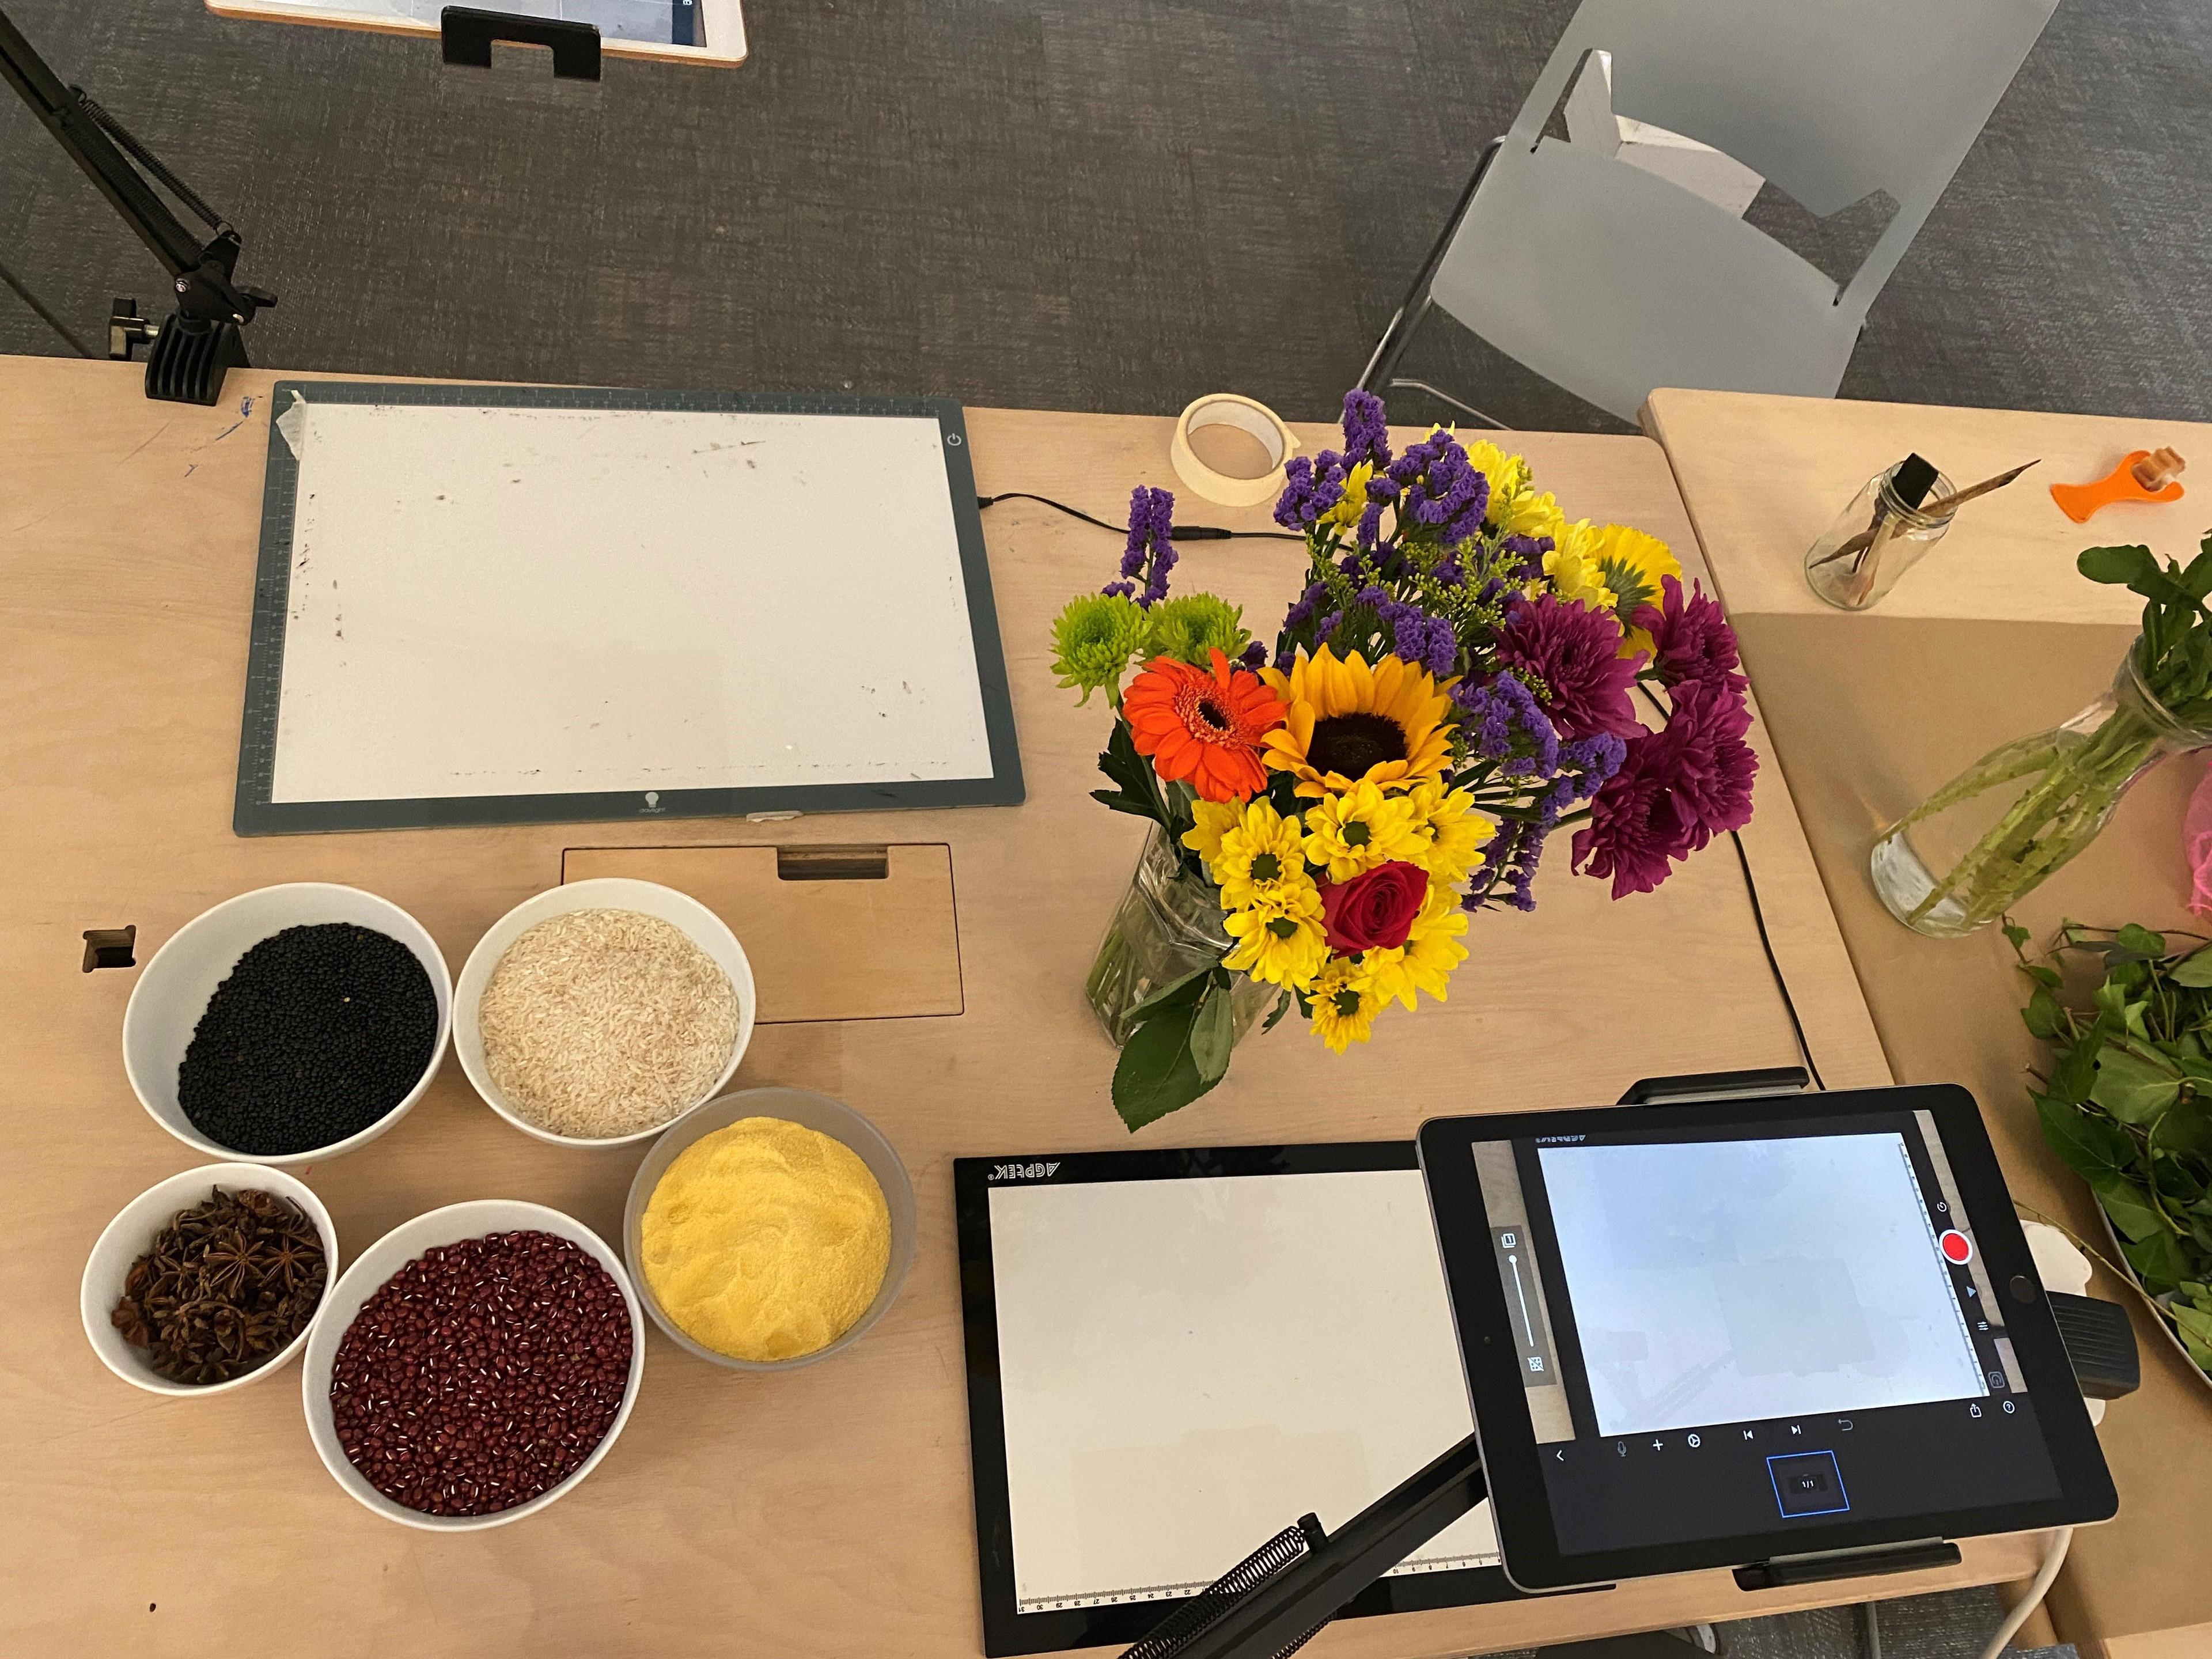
(209, 1280)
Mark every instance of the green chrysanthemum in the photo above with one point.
(1094, 639)
(1191, 629)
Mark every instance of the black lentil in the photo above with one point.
(317, 1033)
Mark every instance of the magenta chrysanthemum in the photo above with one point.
(1570, 656)
(1677, 788)
(1691, 639)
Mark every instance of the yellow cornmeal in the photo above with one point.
(766, 1240)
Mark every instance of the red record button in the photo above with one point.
(1957, 1248)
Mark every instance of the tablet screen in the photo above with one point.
(1729, 1331)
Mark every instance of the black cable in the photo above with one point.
(1758, 921)
(43, 315)
(1181, 532)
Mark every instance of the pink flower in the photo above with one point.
(1569, 655)
(1678, 788)
(1374, 911)
(1690, 638)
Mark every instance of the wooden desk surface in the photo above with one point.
(1987, 639)
(1762, 476)
(826, 1510)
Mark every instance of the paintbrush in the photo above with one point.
(1936, 508)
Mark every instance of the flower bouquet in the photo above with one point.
(1452, 685)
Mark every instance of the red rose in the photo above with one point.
(1374, 912)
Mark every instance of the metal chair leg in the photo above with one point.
(1382, 362)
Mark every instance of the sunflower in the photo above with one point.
(1348, 723)
(1263, 853)
(1351, 833)
(1280, 937)
(1635, 568)
(1203, 727)
(1452, 835)
(1431, 951)
(1345, 1003)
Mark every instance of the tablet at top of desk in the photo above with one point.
(1173, 1355)
(486, 604)
(670, 31)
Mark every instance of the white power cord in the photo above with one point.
(2053, 1558)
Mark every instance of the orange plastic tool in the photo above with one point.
(2144, 475)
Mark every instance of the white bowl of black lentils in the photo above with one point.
(473, 1365)
(209, 1280)
(290, 1022)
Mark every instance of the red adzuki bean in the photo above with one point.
(482, 1373)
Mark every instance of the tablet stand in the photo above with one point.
(1278, 1599)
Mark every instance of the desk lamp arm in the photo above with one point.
(192, 352)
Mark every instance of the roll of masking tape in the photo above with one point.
(1231, 450)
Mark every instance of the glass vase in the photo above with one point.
(1873, 542)
(1999, 828)
(1168, 925)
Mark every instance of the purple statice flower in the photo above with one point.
(1327, 625)
(1366, 431)
(1511, 865)
(1527, 553)
(1571, 655)
(1505, 724)
(1370, 527)
(1311, 488)
(1440, 488)
(1302, 611)
(1150, 551)
(1691, 639)
(1675, 790)
(1255, 657)
(1415, 635)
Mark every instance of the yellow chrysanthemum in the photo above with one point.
(1452, 832)
(1354, 831)
(1345, 1003)
(1215, 818)
(1348, 723)
(1263, 853)
(1632, 566)
(1431, 951)
(1345, 514)
(1516, 507)
(1280, 937)
(1572, 568)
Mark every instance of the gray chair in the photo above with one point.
(1610, 282)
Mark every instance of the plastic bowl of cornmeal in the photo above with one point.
(768, 1229)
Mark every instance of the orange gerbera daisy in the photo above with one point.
(1203, 727)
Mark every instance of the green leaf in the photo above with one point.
(2142, 940)
(2195, 1323)
(2075, 1074)
(1176, 993)
(2185, 1130)
(1130, 773)
(2119, 567)
(2195, 970)
(2016, 935)
(1211, 1033)
(2041, 975)
(2043, 1016)
(2131, 1089)
(1156, 1074)
(2094, 1149)
(2157, 1261)
(1282, 1007)
(2132, 1213)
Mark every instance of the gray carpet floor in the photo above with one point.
(1108, 205)
(1102, 205)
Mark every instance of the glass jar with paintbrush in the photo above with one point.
(1891, 523)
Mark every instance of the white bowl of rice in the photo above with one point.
(600, 1012)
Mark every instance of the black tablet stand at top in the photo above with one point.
(1280, 1597)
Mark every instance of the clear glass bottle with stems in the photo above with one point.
(1168, 925)
(1964, 856)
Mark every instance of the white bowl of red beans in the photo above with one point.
(473, 1365)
